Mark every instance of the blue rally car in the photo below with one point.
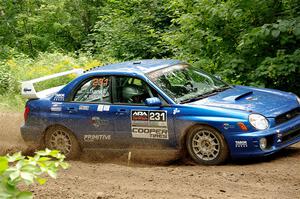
(160, 104)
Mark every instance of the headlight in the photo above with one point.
(298, 99)
(258, 121)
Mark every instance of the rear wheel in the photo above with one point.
(62, 139)
(206, 145)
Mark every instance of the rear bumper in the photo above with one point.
(32, 135)
(247, 144)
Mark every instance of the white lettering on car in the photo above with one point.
(59, 97)
(149, 124)
(93, 138)
(241, 144)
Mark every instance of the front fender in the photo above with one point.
(225, 123)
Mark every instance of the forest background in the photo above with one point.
(246, 42)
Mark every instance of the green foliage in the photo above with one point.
(17, 169)
(7, 82)
(269, 56)
(247, 42)
(131, 30)
(41, 25)
(282, 71)
(20, 67)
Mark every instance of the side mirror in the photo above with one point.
(153, 101)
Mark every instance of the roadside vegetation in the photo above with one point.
(19, 171)
(246, 42)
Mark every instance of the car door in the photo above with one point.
(89, 112)
(136, 124)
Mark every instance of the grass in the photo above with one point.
(21, 68)
(12, 103)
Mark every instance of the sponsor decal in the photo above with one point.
(93, 138)
(56, 103)
(55, 108)
(175, 111)
(84, 108)
(106, 107)
(241, 144)
(227, 126)
(98, 122)
(101, 108)
(150, 132)
(59, 97)
(149, 124)
(279, 137)
(139, 115)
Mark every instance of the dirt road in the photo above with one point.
(273, 177)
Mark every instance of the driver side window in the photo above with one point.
(95, 90)
(130, 90)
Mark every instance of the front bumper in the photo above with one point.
(281, 136)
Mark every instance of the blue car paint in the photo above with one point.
(222, 112)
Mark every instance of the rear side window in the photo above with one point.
(95, 90)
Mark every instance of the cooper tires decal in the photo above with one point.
(149, 124)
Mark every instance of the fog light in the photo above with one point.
(263, 143)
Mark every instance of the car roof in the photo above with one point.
(142, 66)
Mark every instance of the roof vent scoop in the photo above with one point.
(137, 62)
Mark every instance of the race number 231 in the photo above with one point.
(157, 116)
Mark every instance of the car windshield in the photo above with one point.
(183, 83)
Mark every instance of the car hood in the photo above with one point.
(268, 102)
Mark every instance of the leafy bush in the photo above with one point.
(130, 30)
(269, 56)
(7, 81)
(51, 63)
(247, 42)
(17, 169)
(20, 67)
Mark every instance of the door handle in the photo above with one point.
(122, 111)
(72, 109)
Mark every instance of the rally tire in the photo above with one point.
(207, 146)
(62, 139)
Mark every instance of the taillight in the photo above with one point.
(26, 113)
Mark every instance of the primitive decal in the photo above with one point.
(149, 124)
(93, 138)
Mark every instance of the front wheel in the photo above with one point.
(62, 139)
(206, 145)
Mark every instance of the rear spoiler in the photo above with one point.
(28, 90)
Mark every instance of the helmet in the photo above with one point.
(130, 91)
